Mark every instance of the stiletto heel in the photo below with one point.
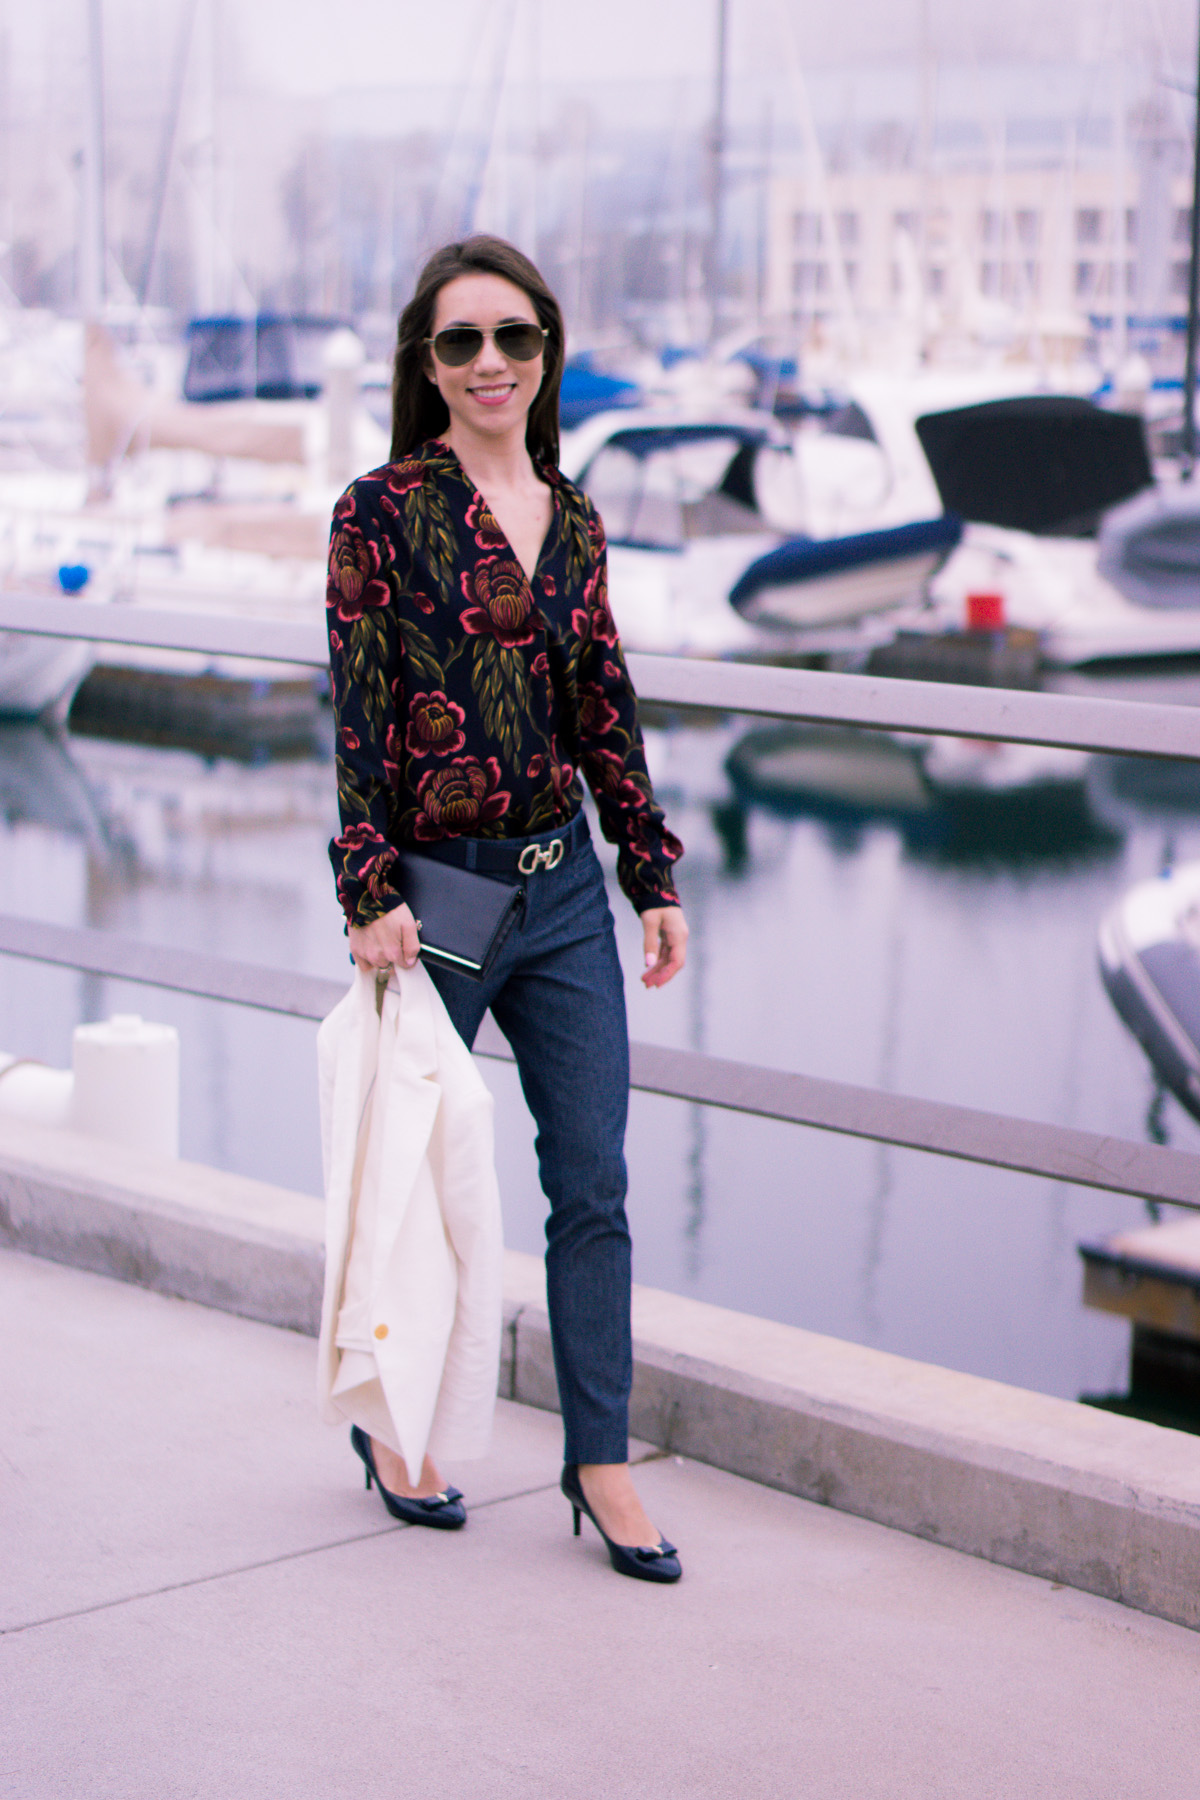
(657, 1563)
(445, 1511)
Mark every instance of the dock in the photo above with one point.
(1152, 1277)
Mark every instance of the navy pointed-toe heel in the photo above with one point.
(644, 1563)
(444, 1512)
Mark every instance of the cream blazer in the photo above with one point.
(411, 1317)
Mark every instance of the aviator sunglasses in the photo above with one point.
(461, 344)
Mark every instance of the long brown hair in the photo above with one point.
(418, 410)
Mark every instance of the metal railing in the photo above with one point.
(881, 703)
(1058, 1152)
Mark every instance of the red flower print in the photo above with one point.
(371, 869)
(562, 776)
(597, 714)
(605, 770)
(631, 797)
(422, 602)
(434, 725)
(536, 765)
(344, 508)
(638, 840)
(356, 836)
(540, 664)
(594, 618)
(391, 756)
(457, 799)
(503, 603)
(482, 521)
(595, 531)
(350, 739)
(335, 642)
(377, 882)
(404, 476)
(355, 586)
(549, 586)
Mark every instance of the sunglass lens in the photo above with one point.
(521, 342)
(457, 345)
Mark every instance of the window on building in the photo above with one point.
(991, 280)
(906, 222)
(807, 230)
(847, 229)
(810, 279)
(852, 277)
(1089, 225)
(1087, 284)
(937, 228)
(1181, 230)
(1028, 225)
(1131, 224)
(936, 280)
(991, 226)
(1180, 274)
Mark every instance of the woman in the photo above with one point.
(476, 675)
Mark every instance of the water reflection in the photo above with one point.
(958, 801)
(41, 785)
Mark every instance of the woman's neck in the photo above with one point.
(492, 462)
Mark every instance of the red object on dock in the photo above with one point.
(985, 612)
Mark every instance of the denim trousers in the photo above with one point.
(557, 993)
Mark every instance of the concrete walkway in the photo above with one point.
(198, 1599)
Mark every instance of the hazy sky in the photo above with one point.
(316, 46)
(312, 44)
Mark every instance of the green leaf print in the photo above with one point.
(420, 653)
(431, 533)
(366, 665)
(501, 685)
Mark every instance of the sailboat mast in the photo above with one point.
(1189, 367)
(92, 236)
(716, 266)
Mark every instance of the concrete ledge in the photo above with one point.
(1098, 1502)
(224, 1240)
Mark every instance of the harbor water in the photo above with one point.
(899, 915)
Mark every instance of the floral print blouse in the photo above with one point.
(469, 700)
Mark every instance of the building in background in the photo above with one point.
(1063, 248)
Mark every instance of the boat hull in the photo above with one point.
(39, 675)
(1150, 966)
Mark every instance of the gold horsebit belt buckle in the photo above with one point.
(536, 856)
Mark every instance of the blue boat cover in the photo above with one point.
(804, 559)
(276, 356)
(586, 391)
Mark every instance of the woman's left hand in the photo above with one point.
(666, 934)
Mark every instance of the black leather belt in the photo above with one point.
(513, 857)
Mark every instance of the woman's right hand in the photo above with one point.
(388, 940)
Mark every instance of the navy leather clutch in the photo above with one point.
(465, 916)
